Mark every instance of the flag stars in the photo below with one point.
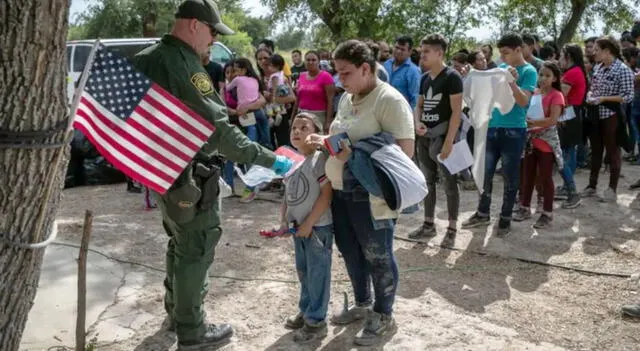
(115, 84)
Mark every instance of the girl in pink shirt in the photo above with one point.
(542, 144)
(315, 90)
(248, 87)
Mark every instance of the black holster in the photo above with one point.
(207, 176)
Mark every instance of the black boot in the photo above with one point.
(215, 335)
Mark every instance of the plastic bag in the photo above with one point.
(225, 189)
(256, 176)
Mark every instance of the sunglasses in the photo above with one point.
(214, 32)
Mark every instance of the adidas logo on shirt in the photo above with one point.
(430, 102)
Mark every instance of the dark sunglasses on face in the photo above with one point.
(214, 32)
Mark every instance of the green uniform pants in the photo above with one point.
(189, 254)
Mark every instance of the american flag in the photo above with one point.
(139, 127)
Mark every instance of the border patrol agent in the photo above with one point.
(190, 206)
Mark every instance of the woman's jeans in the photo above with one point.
(367, 248)
(253, 135)
(569, 155)
(313, 264)
(228, 173)
(262, 129)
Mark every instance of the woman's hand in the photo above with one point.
(315, 140)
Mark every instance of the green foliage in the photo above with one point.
(241, 41)
(125, 19)
(451, 18)
(320, 37)
(381, 19)
(550, 18)
(137, 18)
(257, 28)
(290, 39)
(344, 18)
(76, 32)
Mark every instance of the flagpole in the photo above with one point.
(53, 171)
(83, 81)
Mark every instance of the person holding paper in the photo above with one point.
(574, 88)
(437, 119)
(506, 136)
(611, 86)
(543, 147)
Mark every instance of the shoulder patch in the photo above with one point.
(202, 82)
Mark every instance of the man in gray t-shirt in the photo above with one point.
(302, 189)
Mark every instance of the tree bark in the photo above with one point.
(32, 98)
(569, 29)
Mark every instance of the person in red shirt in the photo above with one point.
(574, 88)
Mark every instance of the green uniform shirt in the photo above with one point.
(176, 67)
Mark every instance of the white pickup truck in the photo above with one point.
(78, 52)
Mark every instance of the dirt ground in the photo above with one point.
(477, 297)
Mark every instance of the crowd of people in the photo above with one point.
(589, 108)
(574, 83)
(566, 104)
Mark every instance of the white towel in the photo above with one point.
(484, 91)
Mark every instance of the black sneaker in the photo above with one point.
(543, 222)
(375, 326)
(311, 332)
(561, 193)
(215, 335)
(573, 201)
(504, 227)
(295, 322)
(475, 221)
(449, 240)
(428, 230)
(635, 185)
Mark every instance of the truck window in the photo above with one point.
(80, 57)
(128, 50)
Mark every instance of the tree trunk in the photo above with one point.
(569, 29)
(32, 98)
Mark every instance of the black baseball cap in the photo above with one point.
(205, 11)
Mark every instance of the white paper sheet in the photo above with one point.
(568, 114)
(535, 111)
(459, 159)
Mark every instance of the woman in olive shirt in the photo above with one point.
(364, 224)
